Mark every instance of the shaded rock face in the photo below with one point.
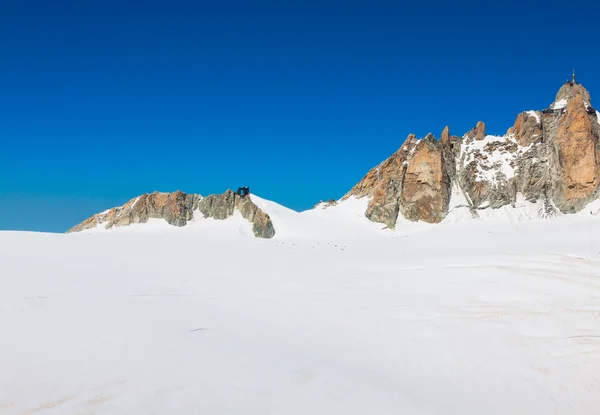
(413, 180)
(383, 184)
(548, 157)
(575, 158)
(262, 226)
(426, 187)
(178, 208)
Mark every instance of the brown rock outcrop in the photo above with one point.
(426, 187)
(575, 160)
(445, 137)
(414, 180)
(480, 130)
(548, 157)
(262, 226)
(383, 184)
(178, 208)
(527, 128)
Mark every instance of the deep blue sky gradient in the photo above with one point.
(103, 101)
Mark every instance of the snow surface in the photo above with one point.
(560, 104)
(333, 316)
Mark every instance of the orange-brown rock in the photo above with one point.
(576, 155)
(527, 128)
(426, 189)
(480, 130)
(445, 137)
(383, 184)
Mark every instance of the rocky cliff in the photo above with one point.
(549, 158)
(178, 208)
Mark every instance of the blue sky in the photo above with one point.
(103, 101)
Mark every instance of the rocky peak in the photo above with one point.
(549, 158)
(445, 137)
(177, 208)
(425, 190)
(527, 128)
(570, 90)
(478, 132)
(576, 158)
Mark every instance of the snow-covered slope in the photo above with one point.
(345, 219)
(477, 317)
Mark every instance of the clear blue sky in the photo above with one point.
(103, 101)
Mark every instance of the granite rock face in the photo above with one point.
(575, 151)
(178, 208)
(527, 128)
(425, 191)
(383, 184)
(550, 158)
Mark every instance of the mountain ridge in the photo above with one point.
(549, 158)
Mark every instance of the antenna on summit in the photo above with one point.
(573, 79)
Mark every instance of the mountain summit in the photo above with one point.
(548, 158)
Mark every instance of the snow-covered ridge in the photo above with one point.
(495, 157)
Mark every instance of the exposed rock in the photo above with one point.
(262, 226)
(383, 184)
(445, 137)
(426, 187)
(548, 157)
(527, 128)
(178, 208)
(570, 90)
(480, 130)
(220, 206)
(414, 180)
(575, 158)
